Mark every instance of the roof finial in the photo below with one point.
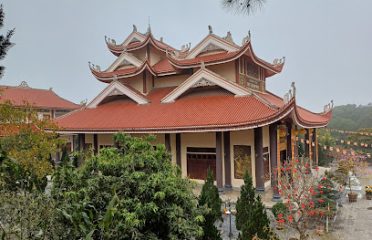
(149, 26)
(161, 39)
(134, 28)
(229, 37)
(210, 29)
(293, 89)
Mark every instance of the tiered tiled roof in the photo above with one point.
(175, 60)
(38, 98)
(182, 108)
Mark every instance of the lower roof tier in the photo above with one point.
(191, 113)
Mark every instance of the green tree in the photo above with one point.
(129, 192)
(25, 148)
(251, 218)
(5, 42)
(210, 198)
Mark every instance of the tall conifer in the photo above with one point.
(210, 198)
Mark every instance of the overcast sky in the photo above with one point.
(327, 43)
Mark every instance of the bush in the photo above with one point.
(26, 215)
(129, 192)
(279, 208)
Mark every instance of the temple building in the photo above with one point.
(46, 103)
(207, 104)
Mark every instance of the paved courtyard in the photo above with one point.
(354, 220)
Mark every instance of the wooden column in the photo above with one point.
(227, 159)
(310, 147)
(219, 160)
(314, 148)
(259, 169)
(178, 150)
(289, 141)
(167, 142)
(273, 134)
(81, 140)
(306, 143)
(95, 143)
(75, 143)
(295, 143)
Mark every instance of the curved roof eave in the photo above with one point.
(247, 47)
(108, 79)
(118, 49)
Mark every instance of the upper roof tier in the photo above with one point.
(37, 98)
(134, 56)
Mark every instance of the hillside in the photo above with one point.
(352, 117)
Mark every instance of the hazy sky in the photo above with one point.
(327, 43)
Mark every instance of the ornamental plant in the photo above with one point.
(210, 199)
(297, 185)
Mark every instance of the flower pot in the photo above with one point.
(352, 196)
(320, 229)
(369, 196)
(279, 225)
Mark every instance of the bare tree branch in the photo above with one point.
(243, 6)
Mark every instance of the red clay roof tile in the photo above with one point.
(39, 98)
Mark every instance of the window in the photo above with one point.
(251, 75)
(242, 161)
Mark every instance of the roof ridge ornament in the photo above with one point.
(328, 107)
(247, 38)
(23, 84)
(229, 37)
(202, 65)
(210, 29)
(290, 94)
(186, 47)
(94, 67)
(134, 28)
(110, 40)
(279, 61)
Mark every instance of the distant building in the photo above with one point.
(46, 103)
(208, 104)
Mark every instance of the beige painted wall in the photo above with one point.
(170, 81)
(155, 55)
(135, 82)
(140, 53)
(226, 70)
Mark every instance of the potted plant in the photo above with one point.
(280, 212)
(353, 196)
(368, 190)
